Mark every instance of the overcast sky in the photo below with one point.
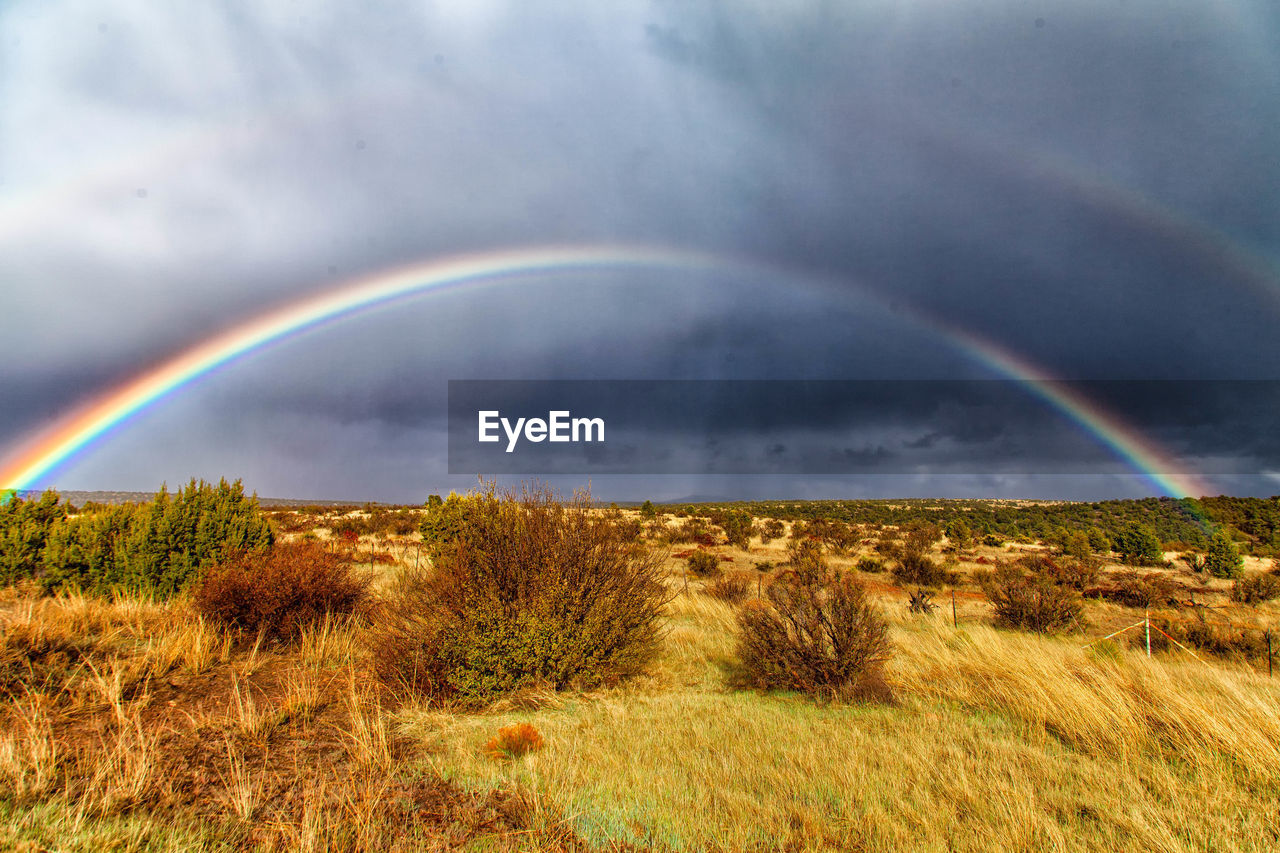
(1092, 186)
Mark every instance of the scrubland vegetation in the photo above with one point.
(517, 671)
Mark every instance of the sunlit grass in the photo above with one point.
(998, 741)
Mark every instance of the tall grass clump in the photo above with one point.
(525, 590)
(279, 592)
(815, 632)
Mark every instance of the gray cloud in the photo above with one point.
(1096, 194)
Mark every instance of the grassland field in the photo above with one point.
(131, 724)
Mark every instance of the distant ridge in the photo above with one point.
(81, 498)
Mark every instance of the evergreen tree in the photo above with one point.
(1138, 545)
(1222, 559)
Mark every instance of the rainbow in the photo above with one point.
(79, 429)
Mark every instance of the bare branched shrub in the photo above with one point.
(815, 632)
(281, 591)
(1256, 588)
(1225, 641)
(527, 591)
(1136, 589)
(1076, 573)
(1030, 601)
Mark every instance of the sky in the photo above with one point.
(1092, 188)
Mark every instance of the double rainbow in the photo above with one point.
(33, 463)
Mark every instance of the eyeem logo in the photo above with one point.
(557, 427)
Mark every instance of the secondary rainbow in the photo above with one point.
(78, 430)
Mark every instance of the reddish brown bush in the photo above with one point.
(514, 741)
(1030, 601)
(1135, 589)
(815, 632)
(1223, 641)
(1062, 570)
(1255, 589)
(279, 591)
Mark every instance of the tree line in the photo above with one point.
(157, 547)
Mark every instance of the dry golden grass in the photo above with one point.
(134, 725)
(998, 741)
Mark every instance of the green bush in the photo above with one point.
(525, 591)
(703, 564)
(1221, 558)
(158, 547)
(871, 565)
(737, 528)
(919, 569)
(1138, 545)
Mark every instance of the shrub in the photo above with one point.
(731, 589)
(886, 545)
(1076, 544)
(528, 591)
(919, 569)
(514, 741)
(1138, 545)
(836, 535)
(992, 540)
(815, 632)
(921, 601)
(703, 564)
(1134, 589)
(1224, 641)
(770, 530)
(1193, 561)
(871, 565)
(278, 592)
(803, 551)
(629, 529)
(1255, 589)
(1030, 601)
(158, 547)
(959, 533)
(692, 530)
(1221, 558)
(737, 528)
(1076, 574)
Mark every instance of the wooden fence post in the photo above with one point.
(954, 621)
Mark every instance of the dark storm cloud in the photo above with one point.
(853, 427)
(1095, 193)
(1071, 189)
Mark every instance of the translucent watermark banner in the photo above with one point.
(863, 427)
